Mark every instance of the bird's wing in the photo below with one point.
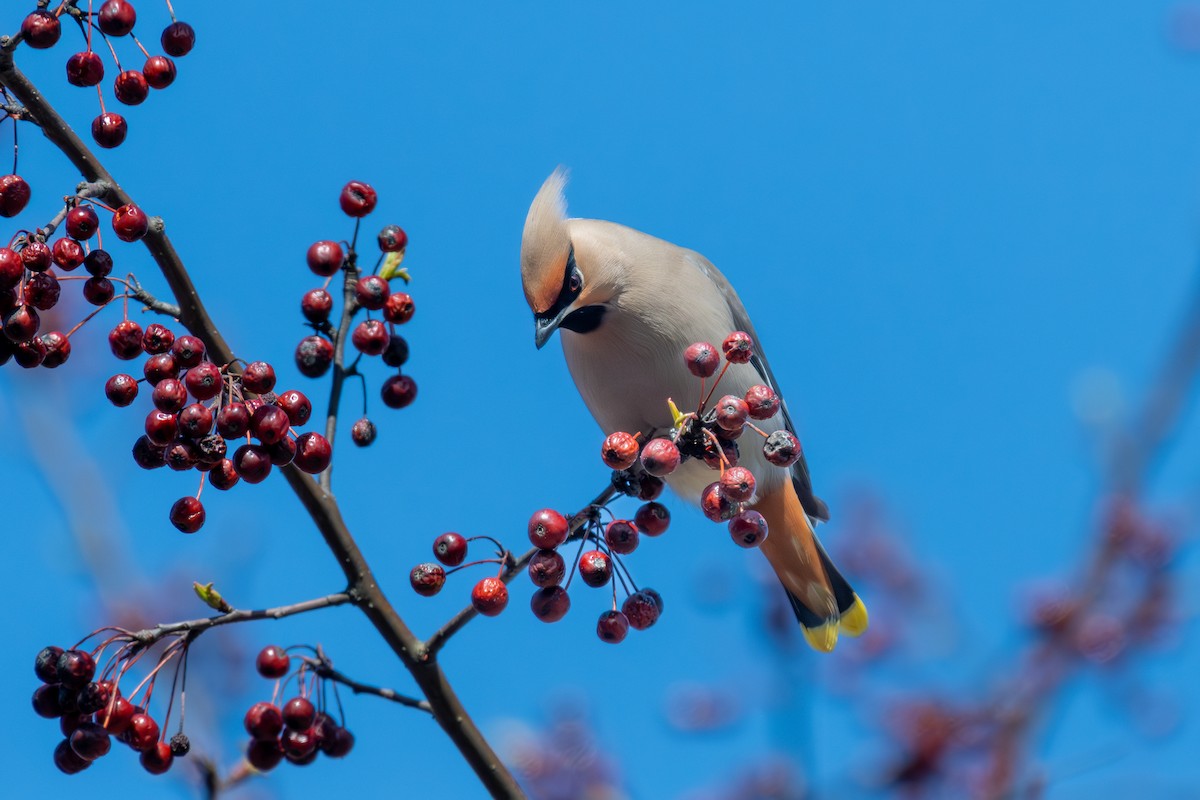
(813, 506)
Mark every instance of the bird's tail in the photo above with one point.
(822, 599)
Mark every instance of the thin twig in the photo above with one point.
(325, 670)
(149, 636)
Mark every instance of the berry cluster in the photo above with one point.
(114, 19)
(372, 293)
(489, 596)
(92, 710)
(299, 730)
(200, 408)
(710, 434)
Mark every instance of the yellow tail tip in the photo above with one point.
(822, 639)
(854, 621)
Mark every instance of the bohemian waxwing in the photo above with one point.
(628, 305)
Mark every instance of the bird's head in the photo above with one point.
(556, 284)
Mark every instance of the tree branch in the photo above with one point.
(149, 636)
(324, 669)
(349, 306)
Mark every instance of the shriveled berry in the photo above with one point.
(178, 39)
(75, 668)
(98, 291)
(42, 291)
(396, 353)
(660, 457)
(258, 377)
(595, 568)
(398, 391)
(263, 721)
(188, 514)
(169, 395)
(132, 89)
(264, 755)
(612, 627)
(210, 449)
(125, 340)
(748, 529)
(252, 462)
(223, 475)
(450, 549)
(399, 308)
(314, 356)
(427, 579)
(652, 518)
(621, 536)
(36, 254)
(45, 664)
(272, 662)
(738, 347)
(109, 129)
(715, 504)
(160, 368)
(550, 603)
(233, 420)
(392, 239)
(157, 338)
(732, 412)
(82, 223)
(619, 450)
(204, 380)
(180, 745)
(188, 351)
(299, 714)
(129, 222)
(702, 359)
(67, 253)
(489, 597)
(362, 432)
(41, 30)
(85, 69)
(142, 732)
(116, 17)
(370, 337)
(325, 258)
(313, 452)
(90, 741)
(641, 610)
(316, 305)
(762, 401)
(372, 292)
(548, 529)
(723, 454)
(357, 199)
(782, 449)
(159, 72)
(547, 568)
(67, 761)
(738, 484)
(157, 759)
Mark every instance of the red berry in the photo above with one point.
(715, 504)
(159, 72)
(595, 568)
(116, 719)
(264, 721)
(357, 199)
(550, 603)
(362, 433)
(762, 402)
(14, 195)
(142, 732)
(41, 30)
(224, 475)
(272, 662)
(131, 88)
(75, 668)
(148, 454)
(157, 759)
(67, 253)
(731, 413)
(314, 356)
(90, 741)
(649, 487)
(641, 610)
(547, 568)
(204, 380)
(169, 395)
(188, 351)
(161, 428)
(252, 462)
(299, 714)
(22, 324)
(66, 759)
(85, 69)
(619, 450)
(45, 701)
(98, 291)
(82, 222)
(42, 290)
(299, 746)
(748, 529)
(316, 305)
(399, 308)
(338, 744)
(12, 268)
(157, 339)
(489, 597)
(370, 337)
(313, 453)
(116, 17)
(187, 514)
(36, 255)
(325, 258)
(548, 529)
(258, 377)
(178, 39)
(738, 347)
(392, 239)
(264, 755)
(450, 549)
(45, 664)
(621, 536)
(782, 449)
(233, 420)
(159, 368)
(297, 406)
(130, 223)
(269, 424)
(396, 354)
(109, 129)
(737, 483)
(702, 359)
(372, 292)
(125, 340)
(398, 391)
(724, 453)
(660, 457)
(652, 519)
(195, 420)
(427, 579)
(612, 627)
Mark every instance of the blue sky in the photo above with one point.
(943, 217)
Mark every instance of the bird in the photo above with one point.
(626, 305)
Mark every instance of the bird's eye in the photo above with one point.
(575, 284)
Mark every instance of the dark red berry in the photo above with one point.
(157, 338)
(169, 395)
(161, 428)
(738, 347)
(362, 433)
(180, 455)
(109, 129)
(157, 759)
(299, 714)
(125, 340)
(299, 746)
(45, 701)
(399, 308)
(204, 380)
(313, 453)
(612, 627)
(325, 258)
(715, 504)
(90, 741)
(45, 664)
(264, 755)
(75, 668)
(649, 487)
(396, 353)
(398, 391)
(548, 529)
(130, 223)
(188, 514)
(595, 568)
(392, 239)
(782, 449)
(489, 596)
(37, 256)
(82, 222)
(223, 475)
(762, 402)
(652, 519)
(314, 356)
(338, 743)
(131, 88)
(357, 199)
(58, 349)
(29, 355)
(738, 484)
(188, 351)
(117, 717)
(550, 603)
(258, 377)
(427, 579)
(264, 721)
(210, 450)
(14, 195)
(316, 305)
(98, 291)
(619, 450)
(702, 359)
(621, 536)
(272, 662)
(748, 529)
(67, 253)
(660, 457)
(450, 549)
(732, 412)
(12, 268)
(147, 454)
(547, 568)
(41, 30)
(159, 72)
(641, 610)
(233, 420)
(159, 368)
(252, 462)
(85, 69)
(42, 290)
(195, 420)
(116, 17)
(372, 292)
(269, 424)
(178, 39)
(67, 761)
(370, 337)
(296, 405)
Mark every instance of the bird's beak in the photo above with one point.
(544, 326)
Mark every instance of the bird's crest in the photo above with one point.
(546, 244)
